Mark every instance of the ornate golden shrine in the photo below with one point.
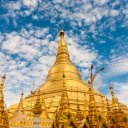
(66, 101)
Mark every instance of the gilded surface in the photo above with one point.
(68, 102)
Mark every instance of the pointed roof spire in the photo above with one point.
(62, 40)
(62, 55)
(44, 113)
(1, 95)
(93, 115)
(3, 79)
(4, 76)
(37, 110)
(114, 101)
(64, 103)
(21, 103)
(63, 60)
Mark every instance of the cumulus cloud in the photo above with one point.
(101, 2)
(114, 12)
(77, 12)
(118, 66)
(13, 5)
(30, 3)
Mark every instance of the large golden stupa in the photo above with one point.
(66, 101)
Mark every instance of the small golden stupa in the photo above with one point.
(3, 112)
(66, 101)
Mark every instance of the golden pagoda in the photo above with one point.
(64, 100)
(3, 113)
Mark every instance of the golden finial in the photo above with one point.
(112, 92)
(4, 76)
(3, 79)
(22, 93)
(61, 32)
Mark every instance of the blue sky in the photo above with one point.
(96, 32)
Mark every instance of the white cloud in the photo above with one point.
(13, 5)
(118, 66)
(81, 56)
(57, 1)
(98, 82)
(30, 3)
(114, 12)
(125, 11)
(35, 17)
(101, 2)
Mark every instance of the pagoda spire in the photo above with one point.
(37, 110)
(3, 79)
(1, 94)
(64, 103)
(3, 112)
(20, 109)
(44, 113)
(63, 62)
(114, 100)
(117, 112)
(65, 113)
(62, 54)
(20, 106)
(93, 117)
